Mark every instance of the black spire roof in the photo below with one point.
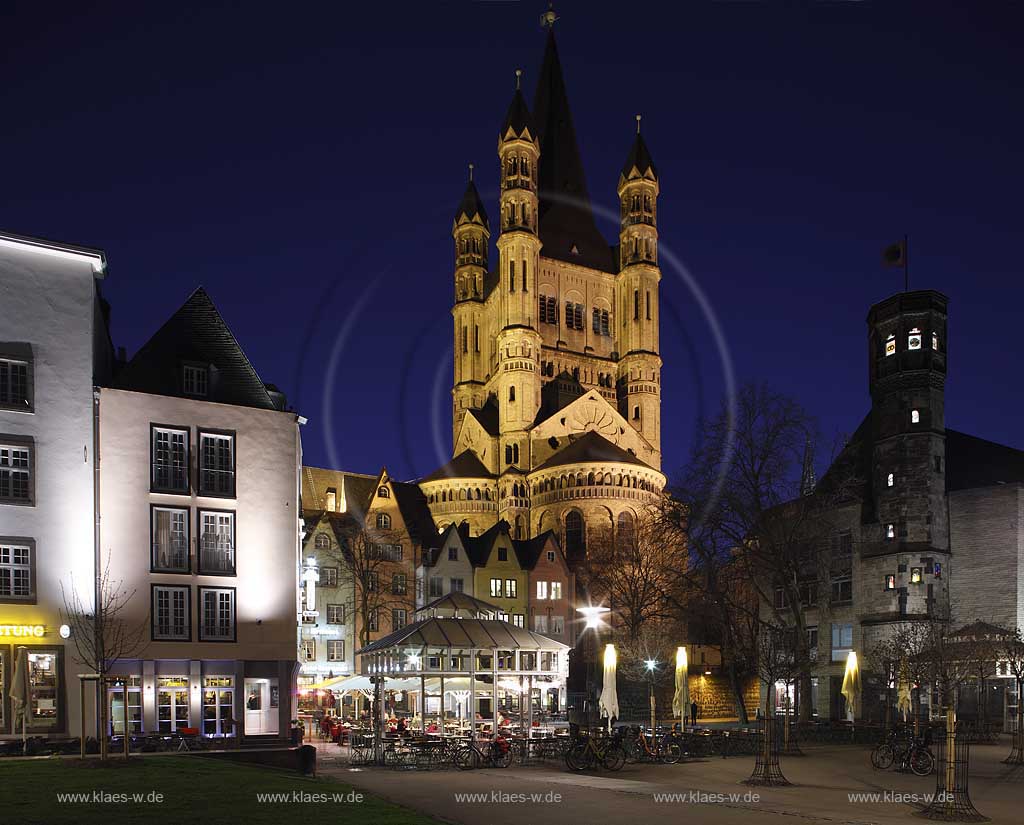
(567, 226)
(639, 158)
(518, 117)
(471, 206)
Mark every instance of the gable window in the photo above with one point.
(502, 554)
(510, 588)
(16, 471)
(335, 650)
(436, 587)
(335, 614)
(551, 555)
(496, 591)
(217, 542)
(383, 521)
(16, 383)
(217, 605)
(328, 576)
(556, 590)
(216, 464)
(453, 554)
(194, 380)
(17, 572)
(169, 459)
(170, 542)
(383, 492)
(322, 542)
(171, 612)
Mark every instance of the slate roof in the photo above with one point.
(457, 601)
(478, 548)
(566, 218)
(412, 504)
(472, 206)
(196, 333)
(974, 462)
(528, 550)
(487, 415)
(464, 465)
(639, 158)
(354, 489)
(588, 448)
(518, 117)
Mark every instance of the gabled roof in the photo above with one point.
(639, 159)
(528, 550)
(472, 207)
(464, 465)
(478, 548)
(590, 447)
(458, 602)
(353, 490)
(196, 333)
(412, 504)
(566, 220)
(487, 415)
(974, 462)
(464, 633)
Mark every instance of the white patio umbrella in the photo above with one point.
(851, 685)
(609, 702)
(903, 696)
(681, 698)
(19, 692)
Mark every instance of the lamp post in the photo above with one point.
(652, 667)
(593, 619)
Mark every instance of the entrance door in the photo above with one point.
(261, 707)
(172, 709)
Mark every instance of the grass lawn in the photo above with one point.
(192, 789)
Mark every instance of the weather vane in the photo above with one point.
(547, 20)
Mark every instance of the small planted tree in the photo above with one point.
(1010, 650)
(777, 662)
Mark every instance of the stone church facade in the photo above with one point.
(556, 397)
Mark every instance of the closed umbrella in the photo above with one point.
(851, 685)
(681, 698)
(903, 697)
(609, 702)
(19, 692)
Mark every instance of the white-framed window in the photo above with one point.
(217, 542)
(383, 521)
(218, 706)
(457, 585)
(518, 619)
(502, 616)
(170, 545)
(399, 584)
(914, 339)
(169, 459)
(496, 590)
(307, 650)
(115, 695)
(540, 623)
(335, 650)
(171, 613)
(556, 590)
(16, 579)
(842, 641)
(194, 380)
(322, 542)
(551, 555)
(510, 588)
(373, 620)
(217, 614)
(383, 492)
(335, 614)
(16, 473)
(436, 586)
(172, 703)
(558, 625)
(328, 576)
(15, 384)
(216, 464)
(399, 618)
(542, 590)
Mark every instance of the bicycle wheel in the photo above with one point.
(467, 758)
(634, 752)
(501, 758)
(613, 758)
(921, 761)
(671, 752)
(882, 757)
(575, 757)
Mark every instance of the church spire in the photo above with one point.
(518, 118)
(638, 161)
(808, 480)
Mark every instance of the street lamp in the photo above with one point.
(592, 617)
(652, 667)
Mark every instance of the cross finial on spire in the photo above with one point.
(638, 124)
(547, 20)
(471, 173)
(519, 74)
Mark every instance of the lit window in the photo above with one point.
(556, 590)
(216, 541)
(540, 624)
(890, 531)
(383, 521)
(496, 588)
(890, 346)
(383, 492)
(890, 581)
(935, 341)
(558, 625)
(510, 588)
(890, 480)
(915, 575)
(170, 539)
(542, 590)
(915, 416)
(842, 641)
(518, 619)
(914, 339)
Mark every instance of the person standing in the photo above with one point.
(693, 714)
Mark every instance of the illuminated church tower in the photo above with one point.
(556, 400)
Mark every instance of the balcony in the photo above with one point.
(213, 482)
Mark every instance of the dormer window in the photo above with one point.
(890, 346)
(914, 339)
(195, 380)
(383, 492)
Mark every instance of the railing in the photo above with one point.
(216, 482)
(171, 556)
(216, 557)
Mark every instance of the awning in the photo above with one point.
(347, 684)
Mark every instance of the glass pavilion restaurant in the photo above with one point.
(472, 673)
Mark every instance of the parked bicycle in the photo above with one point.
(641, 748)
(494, 753)
(592, 751)
(911, 754)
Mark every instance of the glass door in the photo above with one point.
(172, 704)
(219, 706)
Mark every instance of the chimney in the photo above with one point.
(332, 500)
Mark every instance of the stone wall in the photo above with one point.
(712, 693)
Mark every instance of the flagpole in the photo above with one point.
(906, 264)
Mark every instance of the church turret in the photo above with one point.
(471, 232)
(639, 377)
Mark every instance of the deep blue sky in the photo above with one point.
(287, 156)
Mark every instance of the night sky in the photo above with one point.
(303, 163)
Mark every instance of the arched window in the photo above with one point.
(383, 492)
(575, 537)
(383, 521)
(322, 542)
(590, 479)
(462, 495)
(627, 530)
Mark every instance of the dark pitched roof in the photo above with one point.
(415, 513)
(487, 415)
(195, 333)
(478, 548)
(518, 117)
(464, 465)
(528, 550)
(590, 447)
(353, 489)
(471, 207)
(974, 462)
(639, 158)
(566, 219)
(457, 601)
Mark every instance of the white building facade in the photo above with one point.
(53, 341)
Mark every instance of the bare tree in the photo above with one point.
(1010, 649)
(103, 637)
